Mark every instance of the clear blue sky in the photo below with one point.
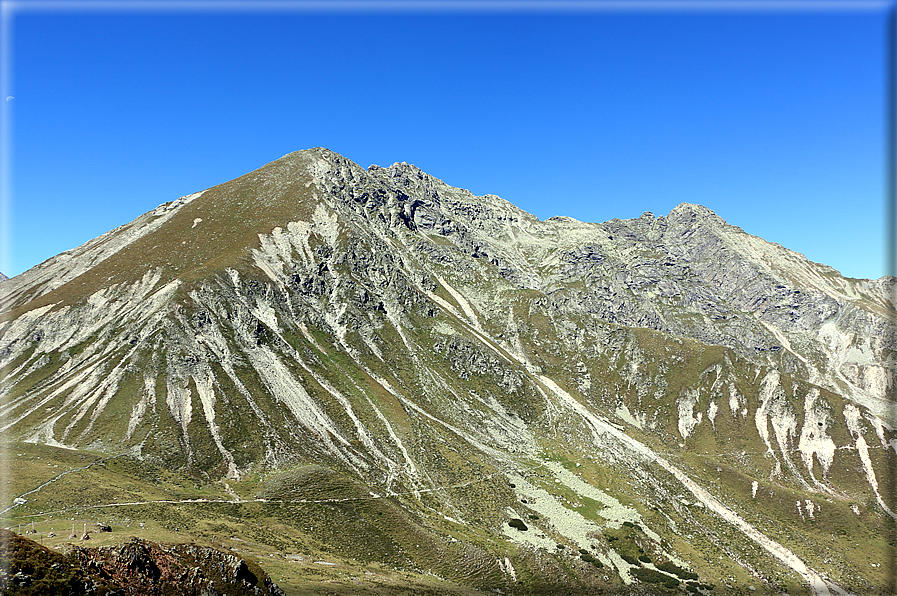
(772, 118)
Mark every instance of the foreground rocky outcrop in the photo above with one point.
(135, 568)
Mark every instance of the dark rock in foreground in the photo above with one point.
(137, 567)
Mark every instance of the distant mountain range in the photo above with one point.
(657, 404)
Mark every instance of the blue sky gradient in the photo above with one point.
(774, 119)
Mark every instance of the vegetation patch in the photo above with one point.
(674, 569)
(588, 558)
(652, 576)
(518, 523)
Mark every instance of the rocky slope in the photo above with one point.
(668, 387)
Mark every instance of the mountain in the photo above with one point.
(395, 371)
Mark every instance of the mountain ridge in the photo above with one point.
(411, 337)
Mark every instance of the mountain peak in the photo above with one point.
(400, 170)
(692, 215)
(308, 157)
(693, 211)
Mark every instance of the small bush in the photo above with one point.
(668, 567)
(676, 570)
(631, 560)
(587, 558)
(644, 558)
(651, 576)
(518, 523)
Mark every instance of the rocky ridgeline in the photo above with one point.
(689, 274)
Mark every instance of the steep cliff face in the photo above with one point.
(666, 386)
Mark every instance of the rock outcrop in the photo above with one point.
(135, 568)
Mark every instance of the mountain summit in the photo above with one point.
(511, 404)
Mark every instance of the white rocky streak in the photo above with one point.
(205, 383)
(510, 569)
(105, 392)
(180, 404)
(770, 385)
(308, 336)
(735, 398)
(625, 415)
(784, 423)
(685, 405)
(410, 469)
(232, 375)
(854, 425)
(783, 340)
(363, 434)
(264, 313)
(282, 385)
(814, 439)
(139, 409)
(413, 406)
(79, 382)
(465, 305)
(879, 427)
(477, 333)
